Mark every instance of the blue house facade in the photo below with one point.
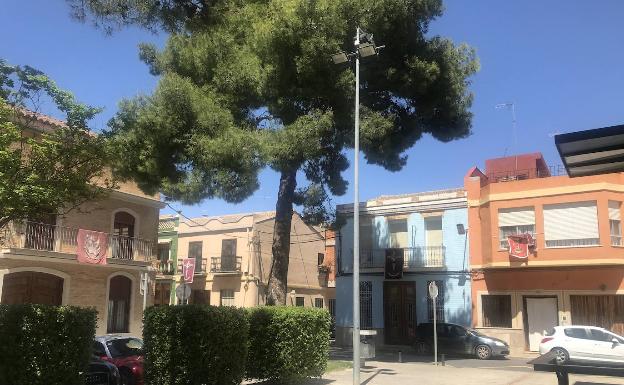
(426, 234)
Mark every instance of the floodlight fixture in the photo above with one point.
(367, 50)
(340, 58)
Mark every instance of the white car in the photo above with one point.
(584, 344)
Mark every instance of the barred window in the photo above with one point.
(227, 298)
(439, 302)
(318, 302)
(366, 305)
(496, 310)
(300, 301)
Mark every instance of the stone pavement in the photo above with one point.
(392, 373)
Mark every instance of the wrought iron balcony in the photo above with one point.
(165, 267)
(413, 257)
(226, 264)
(45, 237)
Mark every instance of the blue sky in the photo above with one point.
(560, 62)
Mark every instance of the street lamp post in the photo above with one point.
(364, 47)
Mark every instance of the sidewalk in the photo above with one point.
(388, 373)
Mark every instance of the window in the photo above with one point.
(496, 310)
(163, 252)
(227, 298)
(300, 301)
(119, 295)
(318, 302)
(321, 258)
(125, 347)
(439, 302)
(615, 223)
(514, 221)
(398, 232)
(228, 255)
(366, 305)
(195, 252)
(331, 304)
(366, 233)
(571, 224)
(580, 333)
(599, 335)
(433, 231)
(123, 234)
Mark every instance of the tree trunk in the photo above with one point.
(278, 278)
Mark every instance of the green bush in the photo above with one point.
(287, 344)
(195, 344)
(45, 345)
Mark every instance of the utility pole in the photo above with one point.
(356, 221)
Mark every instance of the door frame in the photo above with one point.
(525, 315)
(400, 283)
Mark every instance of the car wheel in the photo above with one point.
(422, 348)
(126, 378)
(561, 355)
(483, 352)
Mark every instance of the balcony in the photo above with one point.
(226, 264)
(59, 239)
(165, 267)
(413, 257)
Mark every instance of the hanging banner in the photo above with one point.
(188, 269)
(394, 263)
(520, 245)
(92, 247)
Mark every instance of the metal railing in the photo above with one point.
(46, 237)
(165, 267)
(413, 257)
(616, 240)
(226, 264)
(522, 174)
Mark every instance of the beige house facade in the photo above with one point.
(39, 264)
(233, 256)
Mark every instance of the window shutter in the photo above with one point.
(577, 220)
(614, 210)
(516, 216)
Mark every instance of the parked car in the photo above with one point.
(124, 352)
(456, 339)
(585, 344)
(101, 372)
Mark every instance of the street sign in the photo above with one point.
(183, 292)
(433, 290)
(188, 269)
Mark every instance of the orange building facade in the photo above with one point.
(574, 274)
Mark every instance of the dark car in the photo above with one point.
(124, 352)
(101, 372)
(456, 339)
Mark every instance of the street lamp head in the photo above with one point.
(461, 229)
(367, 50)
(340, 58)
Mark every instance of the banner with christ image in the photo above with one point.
(92, 247)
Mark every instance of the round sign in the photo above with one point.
(183, 292)
(433, 290)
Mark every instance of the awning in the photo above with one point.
(592, 152)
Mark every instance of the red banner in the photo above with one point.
(188, 269)
(92, 247)
(520, 245)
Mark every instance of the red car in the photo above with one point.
(126, 353)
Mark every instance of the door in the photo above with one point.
(228, 255)
(604, 347)
(32, 287)
(541, 316)
(399, 312)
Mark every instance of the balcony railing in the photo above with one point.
(413, 257)
(616, 240)
(165, 267)
(200, 268)
(530, 173)
(46, 237)
(226, 264)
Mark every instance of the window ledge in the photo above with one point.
(572, 247)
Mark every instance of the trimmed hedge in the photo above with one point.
(45, 345)
(287, 344)
(194, 344)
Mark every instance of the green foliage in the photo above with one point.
(45, 170)
(195, 344)
(45, 345)
(288, 344)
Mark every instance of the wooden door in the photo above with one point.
(399, 312)
(32, 287)
(606, 311)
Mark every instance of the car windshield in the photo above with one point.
(124, 347)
